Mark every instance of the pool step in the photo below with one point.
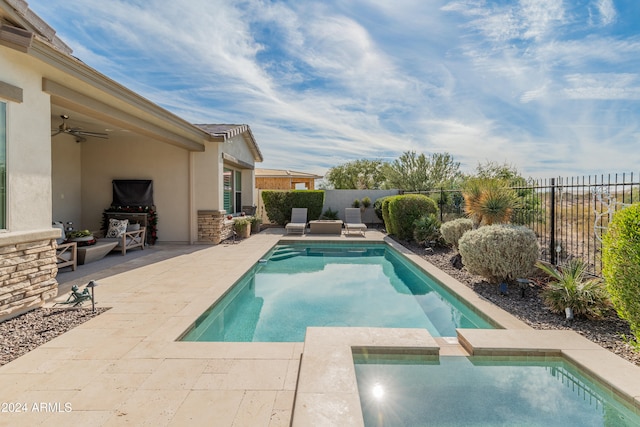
(285, 252)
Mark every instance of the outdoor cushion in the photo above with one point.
(117, 227)
(63, 237)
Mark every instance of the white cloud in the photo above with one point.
(321, 83)
(607, 11)
(603, 86)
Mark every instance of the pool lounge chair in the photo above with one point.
(298, 221)
(352, 221)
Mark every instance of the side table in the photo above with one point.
(325, 226)
(95, 252)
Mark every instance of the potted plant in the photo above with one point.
(255, 224)
(81, 237)
(242, 227)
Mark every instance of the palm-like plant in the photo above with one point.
(489, 201)
(571, 287)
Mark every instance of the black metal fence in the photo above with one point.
(568, 215)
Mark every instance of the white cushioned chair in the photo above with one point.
(298, 221)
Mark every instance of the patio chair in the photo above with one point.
(66, 253)
(353, 221)
(298, 222)
(128, 236)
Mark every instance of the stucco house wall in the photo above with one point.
(67, 178)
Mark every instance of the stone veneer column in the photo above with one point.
(27, 271)
(213, 227)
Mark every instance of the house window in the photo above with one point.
(3, 165)
(228, 190)
(232, 190)
(238, 190)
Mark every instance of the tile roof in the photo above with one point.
(284, 173)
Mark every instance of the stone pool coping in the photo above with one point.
(327, 391)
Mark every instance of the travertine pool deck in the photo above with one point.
(124, 367)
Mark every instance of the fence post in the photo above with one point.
(441, 202)
(552, 239)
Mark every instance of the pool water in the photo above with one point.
(331, 285)
(479, 391)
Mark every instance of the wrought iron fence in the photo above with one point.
(569, 215)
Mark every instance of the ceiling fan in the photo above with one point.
(78, 133)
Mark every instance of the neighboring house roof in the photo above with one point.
(222, 133)
(284, 173)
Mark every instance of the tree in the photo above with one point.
(413, 172)
(356, 175)
(504, 172)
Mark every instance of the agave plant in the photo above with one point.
(489, 201)
(572, 287)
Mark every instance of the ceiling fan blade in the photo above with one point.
(91, 134)
(55, 132)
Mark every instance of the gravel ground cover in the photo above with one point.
(22, 334)
(28, 331)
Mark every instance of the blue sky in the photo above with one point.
(551, 87)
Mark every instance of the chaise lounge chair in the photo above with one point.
(298, 221)
(353, 222)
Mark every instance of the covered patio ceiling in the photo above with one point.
(91, 115)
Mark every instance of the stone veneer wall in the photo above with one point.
(214, 227)
(27, 272)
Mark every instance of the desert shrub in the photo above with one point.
(499, 253)
(621, 265)
(426, 229)
(452, 231)
(278, 204)
(571, 286)
(405, 209)
(489, 201)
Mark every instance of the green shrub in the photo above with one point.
(278, 204)
(572, 287)
(366, 202)
(377, 207)
(499, 253)
(355, 204)
(240, 223)
(426, 229)
(385, 214)
(621, 265)
(405, 209)
(452, 231)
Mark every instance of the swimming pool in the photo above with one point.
(300, 285)
(483, 391)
